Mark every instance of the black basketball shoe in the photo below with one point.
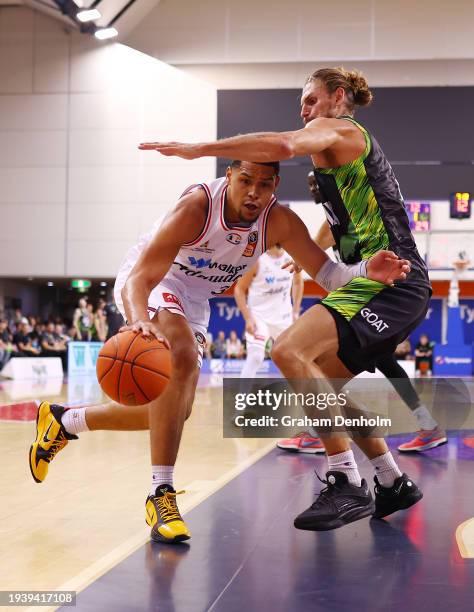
(403, 494)
(337, 504)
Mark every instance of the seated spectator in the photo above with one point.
(36, 330)
(53, 346)
(6, 346)
(59, 330)
(24, 342)
(424, 356)
(403, 350)
(218, 346)
(233, 346)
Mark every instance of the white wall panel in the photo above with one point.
(16, 66)
(95, 258)
(99, 147)
(35, 112)
(97, 222)
(334, 41)
(51, 65)
(16, 50)
(293, 74)
(33, 148)
(255, 32)
(33, 225)
(29, 260)
(33, 185)
(101, 111)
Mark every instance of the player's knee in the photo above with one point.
(283, 352)
(185, 357)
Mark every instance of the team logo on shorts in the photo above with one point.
(234, 238)
(374, 320)
(251, 244)
(170, 298)
(200, 339)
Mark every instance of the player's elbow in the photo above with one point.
(287, 147)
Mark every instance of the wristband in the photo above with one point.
(333, 275)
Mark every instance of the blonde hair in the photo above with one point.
(352, 81)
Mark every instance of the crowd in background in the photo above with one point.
(233, 347)
(29, 336)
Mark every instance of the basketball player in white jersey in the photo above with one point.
(269, 300)
(206, 242)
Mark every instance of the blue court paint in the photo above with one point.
(245, 555)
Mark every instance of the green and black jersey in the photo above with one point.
(366, 213)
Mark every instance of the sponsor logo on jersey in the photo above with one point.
(199, 263)
(269, 279)
(170, 298)
(374, 320)
(203, 248)
(229, 273)
(234, 238)
(251, 244)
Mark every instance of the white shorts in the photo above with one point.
(266, 330)
(171, 295)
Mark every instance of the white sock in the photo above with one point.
(424, 418)
(386, 469)
(74, 420)
(161, 474)
(312, 432)
(345, 462)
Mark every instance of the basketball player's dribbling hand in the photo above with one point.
(385, 267)
(172, 149)
(147, 329)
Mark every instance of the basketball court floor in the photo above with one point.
(83, 529)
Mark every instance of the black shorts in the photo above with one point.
(372, 319)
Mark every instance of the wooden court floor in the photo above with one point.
(88, 516)
(89, 513)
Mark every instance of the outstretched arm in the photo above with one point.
(317, 136)
(287, 229)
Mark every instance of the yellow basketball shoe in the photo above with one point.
(51, 437)
(163, 516)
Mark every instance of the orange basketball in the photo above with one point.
(133, 369)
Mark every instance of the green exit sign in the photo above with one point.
(79, 283)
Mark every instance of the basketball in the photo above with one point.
(133, 369)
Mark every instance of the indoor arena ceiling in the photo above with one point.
(133, 11)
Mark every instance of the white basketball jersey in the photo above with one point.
(218, 256)
(269, 295)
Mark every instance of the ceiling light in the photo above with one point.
(50, 284)
(105, 33)
(88, 15)
(103, 284)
